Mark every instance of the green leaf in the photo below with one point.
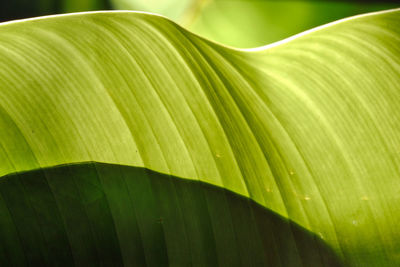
(100, 214)
(249, 23)
(308, 127)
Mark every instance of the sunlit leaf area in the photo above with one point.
(238, 23)
(199, 133)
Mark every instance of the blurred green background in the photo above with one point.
(238, 23)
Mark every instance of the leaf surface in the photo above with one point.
(307, 127)
(250, 23)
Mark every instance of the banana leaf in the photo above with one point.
(127, 140)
